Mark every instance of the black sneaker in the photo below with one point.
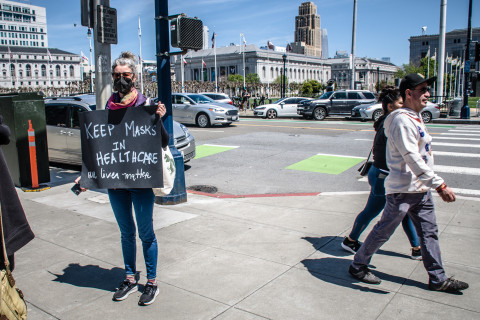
(416, 254)
(350, 246)
(449, 285)
(364, 275)
(149, 294)
(126, 288)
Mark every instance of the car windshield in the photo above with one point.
(326, 95)
(200, 98)
(279, 100)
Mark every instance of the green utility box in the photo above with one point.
(17, 109)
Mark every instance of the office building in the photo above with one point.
(308, 34)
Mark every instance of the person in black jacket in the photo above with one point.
(17, 232)
(391, 100)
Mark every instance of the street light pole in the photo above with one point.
(354, 34)
(284, 78)
(89, 35)
(378, 79)
(103, 63)
(179, 192)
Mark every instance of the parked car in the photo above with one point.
(374, 111)
(339, 102)
(218, 97)
(284, 107)
(195, 108)
(63, 130)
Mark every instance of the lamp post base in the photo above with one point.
(465, 112)
(179, 191)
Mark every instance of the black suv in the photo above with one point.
(339, 102)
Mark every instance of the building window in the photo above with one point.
(57, 71)
(72, 72)
(12, 70)
(28, 69)
(44, 70)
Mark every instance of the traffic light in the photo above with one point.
(477, 51)
(186, 33)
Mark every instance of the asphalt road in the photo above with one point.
(298, 156)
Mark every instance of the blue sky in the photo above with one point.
(383, 26)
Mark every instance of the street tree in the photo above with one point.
(235, 78)
(252, 78)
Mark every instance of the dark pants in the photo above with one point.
(420, 208)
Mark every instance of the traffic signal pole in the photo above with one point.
(103, 62)
(179, 192)
(465, 111)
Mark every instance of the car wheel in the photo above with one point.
(271, 114)
(377, 114)
(426, 116)
(319, 113)
(203, 121)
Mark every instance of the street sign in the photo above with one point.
(107, 24)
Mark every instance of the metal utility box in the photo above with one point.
(17, 109)
(186, 33)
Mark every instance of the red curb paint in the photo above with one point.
(266, 195)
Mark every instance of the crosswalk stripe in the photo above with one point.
(465, 131)
(459, 134)
(456, 154)
(457, 170)
(456, 138)
(467, 191)
(446, 144)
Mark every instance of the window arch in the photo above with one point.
(57, 71)
(44, 70)
(28, 70)
(12, 70)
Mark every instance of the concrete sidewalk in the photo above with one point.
(238, 258)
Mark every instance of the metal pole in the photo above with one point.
(243, 57)
(140, 56)
(465, 112)
(89, 35)
(179, 192)
(441, 49)
(182, 71)
(378, 79)
(354, 31)
(435, 68)
(103, 63)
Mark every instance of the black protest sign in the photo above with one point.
(121, 148)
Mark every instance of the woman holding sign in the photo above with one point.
(125, 96)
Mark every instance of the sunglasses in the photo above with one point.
(117, 75)
(423, 90)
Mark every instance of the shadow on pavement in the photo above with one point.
(326, 269)
(91, 276)
(324, 244)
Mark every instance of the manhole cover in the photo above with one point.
(203, 188)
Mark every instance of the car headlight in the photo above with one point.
(187, 133)
(218, 110)
(368, 108)
(260, 108)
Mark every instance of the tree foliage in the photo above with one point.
(252, 78)
(235, 78)
(279, 80)
(311, 87)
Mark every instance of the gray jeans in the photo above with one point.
(420, 208)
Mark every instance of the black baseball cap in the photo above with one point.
(412, 80)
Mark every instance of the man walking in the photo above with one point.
(410, 159)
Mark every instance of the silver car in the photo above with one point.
(218, 97)
(195, 108)
(284, 107)
(63, 130)
(374, 111)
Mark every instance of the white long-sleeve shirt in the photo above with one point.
(409, 154)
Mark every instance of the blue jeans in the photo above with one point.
(143, 200)
(375, 204)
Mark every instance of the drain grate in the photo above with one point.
(203, 188)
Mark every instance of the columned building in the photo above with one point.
(267, 64)
(368, 72)
(38, 68)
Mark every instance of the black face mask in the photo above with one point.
(123, 85)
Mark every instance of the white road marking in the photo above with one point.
(458, 134)
(197, 130)
(456, 154)
(464, 131)
(456, 138)
(470, 192)
(339, 155)
(457, 170)
(456, 144)
(366, 139)
(218, 145)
